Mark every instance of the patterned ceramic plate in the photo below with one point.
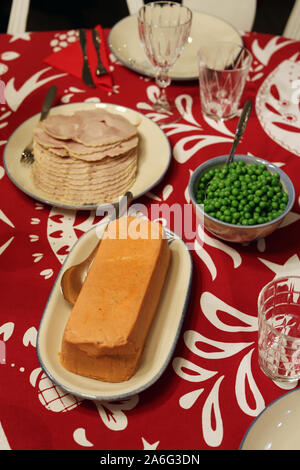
(161, 340)
(153, 162)
(125, 44)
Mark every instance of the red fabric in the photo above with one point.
(70, 59)
(212, 400)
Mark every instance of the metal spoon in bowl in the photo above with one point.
(74, 277)
(240, 129)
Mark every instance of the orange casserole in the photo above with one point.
(109, 323)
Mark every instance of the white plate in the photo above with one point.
(161, 340)
(277, 426)
(153, 162)
(125, 44)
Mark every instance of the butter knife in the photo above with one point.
(27, 154)
(100, 70)
(86, 73)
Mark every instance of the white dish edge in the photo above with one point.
(133, 390)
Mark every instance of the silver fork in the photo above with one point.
(27, 154)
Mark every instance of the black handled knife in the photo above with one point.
(48, 101)
(86, 73)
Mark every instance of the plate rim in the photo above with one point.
(260, 415)
(152, 74)
(171, 236)
(86, 206)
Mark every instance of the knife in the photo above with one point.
(86, 73)
(100, 70)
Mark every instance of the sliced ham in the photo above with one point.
(91, 128)
(89, 157)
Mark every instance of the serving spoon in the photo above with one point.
(74, 277)
(240, 129)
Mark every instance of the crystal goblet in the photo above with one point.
(164, 28)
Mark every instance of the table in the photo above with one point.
(212, 389)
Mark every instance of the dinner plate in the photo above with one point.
(277, 426)
(160, 342)
(153, 160)
(125, 44)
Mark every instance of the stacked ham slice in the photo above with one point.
(89, 157)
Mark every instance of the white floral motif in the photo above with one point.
(263, 54)
(24, 36)
(221, 349)
(10, 55)
(204, 238)
(197, 374)
(4, 116)
(61, 230)
(290, 267)
(4, 445)
(7, 330)
(80, 438)
(3, 68)
(213, 435)
(47, 273)
(30, 336)
(62, 40)
(148, 446)
(112, 413)
(55, 399)
(211, 412)
(70, 93)
(37, 257)
(15, 97)
(210, 304)
(184, 104)
(206, 258)
(6, 245)
(244, 376)
(187, 401)
(276, 110)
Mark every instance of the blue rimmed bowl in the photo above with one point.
(231, 232)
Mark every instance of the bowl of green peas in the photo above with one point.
(243, 201)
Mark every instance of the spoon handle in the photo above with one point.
(240, 129)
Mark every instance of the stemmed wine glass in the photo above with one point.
(164, 28)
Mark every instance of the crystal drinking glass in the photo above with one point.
(279, 329)
(223, 71)
(164, 28)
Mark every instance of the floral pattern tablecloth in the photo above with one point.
(212, 389)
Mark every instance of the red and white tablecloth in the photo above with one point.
(213, 388)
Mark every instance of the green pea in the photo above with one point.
(241, 194)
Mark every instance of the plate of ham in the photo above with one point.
(87, 155)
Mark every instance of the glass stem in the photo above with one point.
(163, 81)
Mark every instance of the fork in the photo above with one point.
(27, 154)
(100, 70)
